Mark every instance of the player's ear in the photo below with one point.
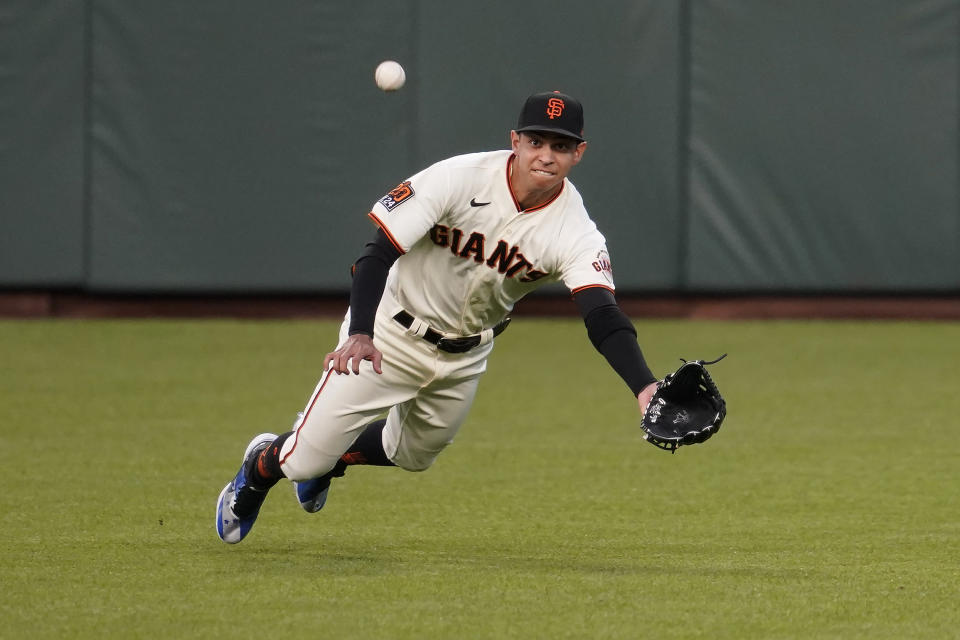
(579, 151)
(514, 141)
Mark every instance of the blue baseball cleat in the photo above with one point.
(312, 493)
(239, 504)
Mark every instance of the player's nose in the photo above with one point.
(546, 156)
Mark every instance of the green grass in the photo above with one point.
(826, 507)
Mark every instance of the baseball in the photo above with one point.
(389, 75)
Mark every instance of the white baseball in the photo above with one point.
(389, 75)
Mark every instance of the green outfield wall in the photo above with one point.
(236, 145)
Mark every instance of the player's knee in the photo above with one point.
(415, 467)
(304, 462)
(419, 460)
(415, 447)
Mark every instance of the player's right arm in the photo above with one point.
(369, 279)
(589, 276)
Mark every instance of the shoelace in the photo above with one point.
(247, 501)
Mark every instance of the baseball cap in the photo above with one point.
(552, 112)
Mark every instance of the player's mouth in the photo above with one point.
(543, 172)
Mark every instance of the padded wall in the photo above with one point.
(42, 168)
(236, 145)
(823, 145)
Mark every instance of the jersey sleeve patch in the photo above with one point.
(397, 196)
(591, 268)
(602, 265)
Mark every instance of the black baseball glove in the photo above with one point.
(687, 407)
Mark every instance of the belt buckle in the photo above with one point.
(457, 345)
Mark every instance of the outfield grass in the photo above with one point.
(826, 507)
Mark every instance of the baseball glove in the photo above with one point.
(687, 408)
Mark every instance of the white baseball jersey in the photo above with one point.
(471, 252)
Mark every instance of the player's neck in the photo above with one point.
(527, 195)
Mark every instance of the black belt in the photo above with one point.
(450, 345)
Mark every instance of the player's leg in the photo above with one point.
(421, 428)
(408, 364)
(416, 429)
(339, 409)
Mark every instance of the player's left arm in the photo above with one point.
(615, 337)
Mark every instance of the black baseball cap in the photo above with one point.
(552, 112)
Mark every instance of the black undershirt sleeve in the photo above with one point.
(369, 278)
(613, 335)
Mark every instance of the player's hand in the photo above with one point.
(645, 396)
(357, 348)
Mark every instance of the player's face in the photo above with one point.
(543, 159)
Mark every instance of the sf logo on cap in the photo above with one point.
(554, 108)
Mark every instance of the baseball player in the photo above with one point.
(457, 245)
